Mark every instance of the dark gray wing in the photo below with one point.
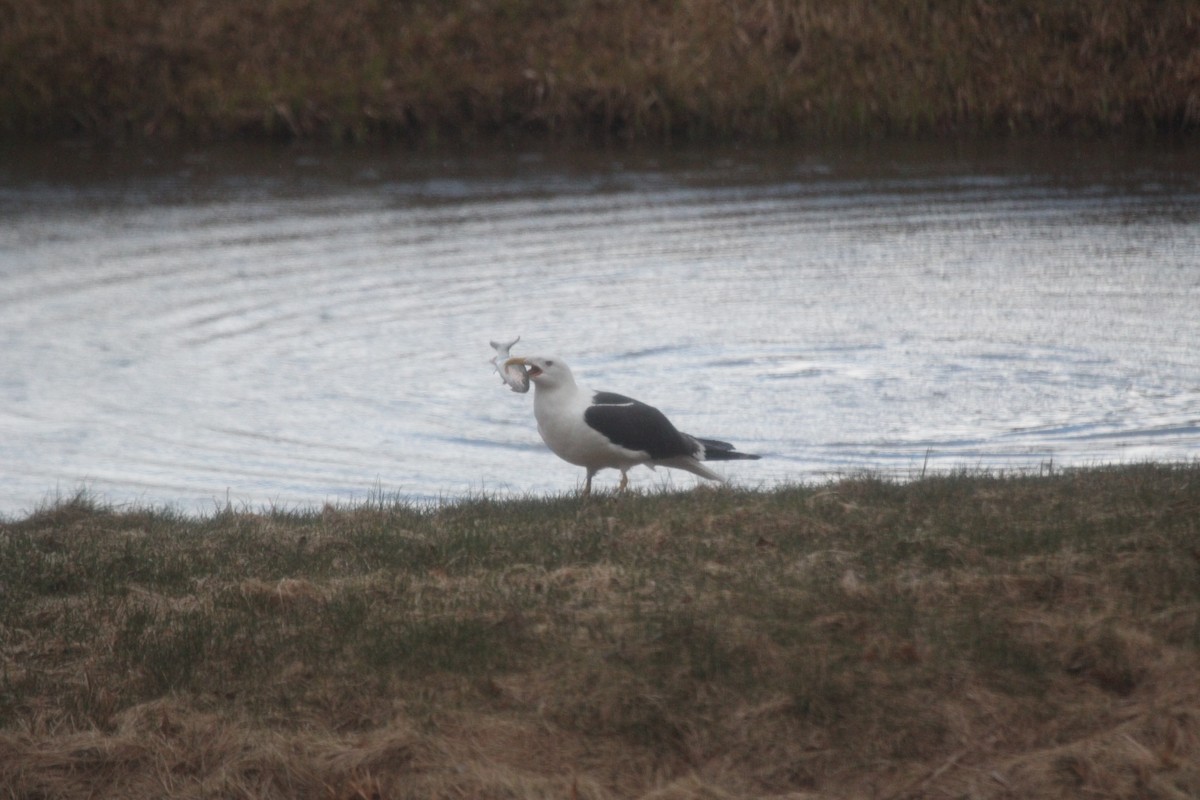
(716, 450)
(636, 426)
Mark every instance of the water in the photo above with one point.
(288, 327)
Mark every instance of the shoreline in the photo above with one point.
(84, 503)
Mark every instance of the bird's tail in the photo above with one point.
(691, 465)
(715, 450)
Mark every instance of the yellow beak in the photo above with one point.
(514, 360)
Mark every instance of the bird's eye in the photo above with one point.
(549, 363)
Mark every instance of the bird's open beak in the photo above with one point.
(529, 368)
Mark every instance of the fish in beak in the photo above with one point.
(532, 370)
(512, 370)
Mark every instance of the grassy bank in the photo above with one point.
(755, 70)
(955, 636)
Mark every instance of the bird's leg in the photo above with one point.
(624, 481)
(587, 487)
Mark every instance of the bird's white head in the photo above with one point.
(547, 372)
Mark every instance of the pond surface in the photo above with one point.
(291, 327)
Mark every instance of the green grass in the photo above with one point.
(830, 638)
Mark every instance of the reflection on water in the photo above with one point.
(275, 327)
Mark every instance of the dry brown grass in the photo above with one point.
(762, 70)
(958, 636)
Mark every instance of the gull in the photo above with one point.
(605, 430)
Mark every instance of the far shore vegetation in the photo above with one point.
(657, 71)
(962, 635)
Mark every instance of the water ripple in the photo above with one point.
(241, 336)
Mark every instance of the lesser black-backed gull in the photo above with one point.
(604, 430)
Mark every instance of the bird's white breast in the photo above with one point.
(560, 418)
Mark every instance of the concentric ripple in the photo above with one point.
(209, 329)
